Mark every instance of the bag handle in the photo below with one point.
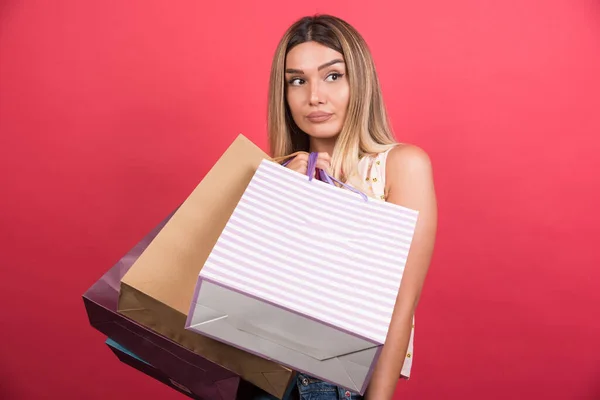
(285, 160)
(312, 169)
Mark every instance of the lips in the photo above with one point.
(318, 116)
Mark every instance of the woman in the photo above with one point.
(324, 97)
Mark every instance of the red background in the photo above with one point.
(112, 111)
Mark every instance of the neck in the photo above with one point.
(322, 145)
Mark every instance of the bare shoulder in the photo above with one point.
(409, 177)
(408, 157)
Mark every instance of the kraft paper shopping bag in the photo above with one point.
(158, 289)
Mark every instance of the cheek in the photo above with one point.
(294, 102)
(342, 97)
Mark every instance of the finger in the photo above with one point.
(302, 157)
(299, 166)
(324, 156)
(300, 162)
(324, 165)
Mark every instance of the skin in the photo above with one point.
(315, 83)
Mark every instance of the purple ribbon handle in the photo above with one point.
(324, 176)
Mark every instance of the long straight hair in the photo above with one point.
(366, 129)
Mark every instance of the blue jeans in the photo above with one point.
(309, 388)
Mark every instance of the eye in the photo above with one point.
(296, 81)
(333, 77)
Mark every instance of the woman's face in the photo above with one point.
(317, 89)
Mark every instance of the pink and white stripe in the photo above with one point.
(316, 249)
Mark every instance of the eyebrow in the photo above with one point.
(327, 64)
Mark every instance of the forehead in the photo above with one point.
(310, 55)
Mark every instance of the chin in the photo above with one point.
(324, 133)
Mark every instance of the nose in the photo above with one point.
(316, 94)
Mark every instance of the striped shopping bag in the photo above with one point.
(305, 273)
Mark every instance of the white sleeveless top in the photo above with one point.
(372, 171)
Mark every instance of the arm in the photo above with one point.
(409, 178)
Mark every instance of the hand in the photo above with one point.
(300, 162)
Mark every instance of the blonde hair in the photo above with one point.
(366, 129)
